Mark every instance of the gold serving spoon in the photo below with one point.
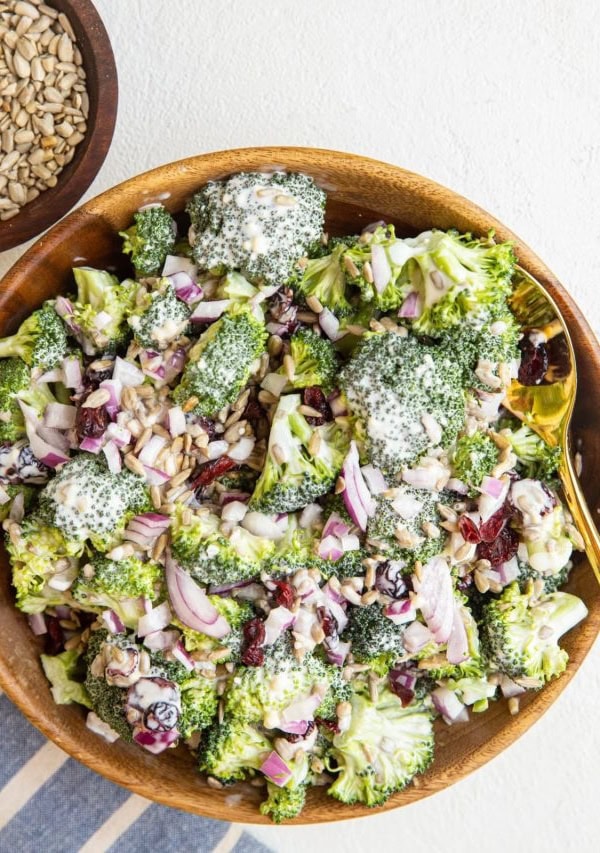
(547, 408)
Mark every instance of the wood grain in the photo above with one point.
(360, 191)
(102, 87)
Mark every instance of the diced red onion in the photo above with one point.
(350, 542)
(174, 365)
(381, 267)
(260, 524)
(59, 416)
(152, 364)
(91, 444)
(112, 622)
(158, 618)
(436, 599)
(403, 683)
(154, 477)
(510, 688)
(457, 486)
(234, 511)
(357, 498)
(179, 653)
(492, 486)
(176, 420)
(488, 505)
(410, 308)
(113, 457)
(274, 383)
(99, 727)
(127, 373)
(242, 449)
(330, 548)
(161, 641)
(156, 742)
(37, 623)
(330, 325)
(422, 477)
(151, 449)
(55, 375)
(401, 611)
(191, 604)
(309, 516)
(458, 643)
(46, 453)
(72, 373)
(337, 654)
(299, 712)
(335, 526)
(185, 288)
(337, 404)
(174, 264)
(276, 770)
(416, 637)
(448, 705)
(118, 435)
(509, 571)
(374, 479)
(209, 310)
(278, 621)
(216, 449)
(113, 404)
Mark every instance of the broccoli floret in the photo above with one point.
(231, 750)
(162, 319)
(473, 690)
(283, 803)
(44, 564)
(41, 340)
(324, 278)
(536, 460)
(220, 362)
(408, 398)
(199, 703)
(102, 308)
(455, 277)
(63, 672)
(433, 661)
(86, 501)
(315, 361)
(212, 558)
(16, 383)
(397, 525)
(375, 638)
(473, 458)
(386, 256)
(550, 551)
(256, 223)
(29, 496)
(522, 633)
(239, 290)
(105, 584)
(150, 239)
(107, 700)
(383, 748)
(302, 462)
(237, 613)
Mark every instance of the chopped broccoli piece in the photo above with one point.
(434, 663)
(473, 458)
(41, 340)
(522, 633)
(220, 362)
(323, 278)
(29, 496)
(39, 554)
(298, 468)
(86, 501)
(211, 557)
(150, 239)
(105, 584)
(62, 672)
(199, 703)
(239, 290)
(386, 255)
(535, 459)
(383, 748)
(256, 223)
(237, 614)
(550, 552)
(102, 308)
(231, 750)
(283, 803)
(161, 319)
(408, 397)
(16, 384)
(472, 690)
(375, 638)
(315, 361)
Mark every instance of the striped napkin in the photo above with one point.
(52, 803)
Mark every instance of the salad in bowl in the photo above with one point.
(262, 498)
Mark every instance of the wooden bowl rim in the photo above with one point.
(307, 159)
(90, 154)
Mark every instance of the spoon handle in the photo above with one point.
(579, 509)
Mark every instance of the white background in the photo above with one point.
(499, 101)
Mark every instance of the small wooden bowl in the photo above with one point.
(360, 191)
(75, 178)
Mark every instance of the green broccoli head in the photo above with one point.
(102, 308)
(375, 638)
(474, 457)
(548, 554)
(150, 239)
(86, 501)
(283, 803)
(315, 361)
(324, 278)
(161, 319)
(16, 383)
(380, 752)
(302, 462)
(407, 396)
(199, 703)
(107, 700)
(212, 558)
(232, 750)
(455, 276)
(65, 673)
(259, 224)
(41, 340)
(522, 633)
(220, 362)
(536, 460)
(44, 564)
(376, 262)
(105, 584)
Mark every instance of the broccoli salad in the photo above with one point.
(262, 498)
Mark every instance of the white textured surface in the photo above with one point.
(499, 102)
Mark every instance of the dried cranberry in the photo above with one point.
(491, 528)
(328, 724)
(254, 636)
(403, 693)
(283, 594)
(502, 549)
(294, 738)
(534, 362)
(468, 530)
(208, 425)
(253, 656)
(213, 469)
(328, 623)
(314, 397)
(253, 411)
(55, 638)
(91, 423)
(92, 378)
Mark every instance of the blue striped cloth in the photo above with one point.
(52, 803)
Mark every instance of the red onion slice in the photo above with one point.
(112, 622)
(59, 416)
(357, 498)
(37, 623)
(209, 311)
(436, 599)
(458, 642)
(278, 621)
(185, 287)
(157, 619)
(191, 604)
(156, 742)
(382, 272)
(330, 325)
(276, 770)
(410, 308)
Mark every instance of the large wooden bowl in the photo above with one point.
(75, 178)
(360, 191)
